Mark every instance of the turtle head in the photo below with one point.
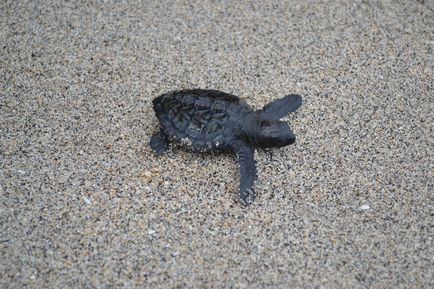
(274, 134)
(270, 133)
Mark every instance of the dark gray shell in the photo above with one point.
(200, 119)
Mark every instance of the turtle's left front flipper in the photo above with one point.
(245, 156)
(277, 109)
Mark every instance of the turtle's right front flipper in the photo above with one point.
(245, 154)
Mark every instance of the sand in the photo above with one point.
(86, 204)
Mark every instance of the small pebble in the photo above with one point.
(87, 200)
(147, 174)
(364, 207)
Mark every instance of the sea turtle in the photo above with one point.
(205, 120)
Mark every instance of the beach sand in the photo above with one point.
(86, 204)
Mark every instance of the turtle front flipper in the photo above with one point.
(159, 143)
(245, 154)
(277, 109)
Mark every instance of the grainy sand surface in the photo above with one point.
(86, 204)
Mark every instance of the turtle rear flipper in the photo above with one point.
(277, 109)
(159, 143)
(248, 175)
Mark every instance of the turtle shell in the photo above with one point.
(200, 119)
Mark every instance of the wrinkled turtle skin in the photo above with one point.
(204, 120)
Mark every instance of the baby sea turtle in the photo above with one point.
(205, 120)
